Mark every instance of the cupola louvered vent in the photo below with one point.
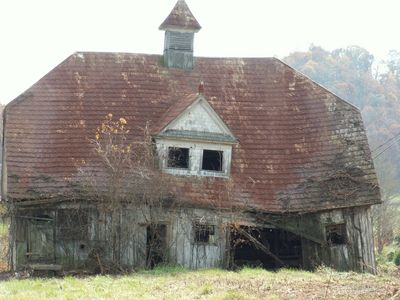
(180, 27)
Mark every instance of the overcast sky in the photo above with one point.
(37, 35)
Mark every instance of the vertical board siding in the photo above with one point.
(194, 255)
(358, 252)
(123, 238)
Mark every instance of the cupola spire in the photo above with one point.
(180, 27)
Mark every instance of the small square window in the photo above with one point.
(336, 234)
(204, 233)
(178, 158)
(212, 160)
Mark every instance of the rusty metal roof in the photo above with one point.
(301, 148)
(180, 18)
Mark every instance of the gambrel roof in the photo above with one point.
(298, 142)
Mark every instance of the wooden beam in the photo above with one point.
(300, 233)
(45, 267)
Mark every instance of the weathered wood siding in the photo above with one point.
(356, 254)
(186, 251)
(122, 237)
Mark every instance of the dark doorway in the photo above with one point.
(156, 245)
(269, 248)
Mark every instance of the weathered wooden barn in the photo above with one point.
(270, 168)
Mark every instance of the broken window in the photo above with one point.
(178, 158)
(72, 224)
(204, 233)
(336, 234)
(212, 160)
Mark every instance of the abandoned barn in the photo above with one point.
(254, 164)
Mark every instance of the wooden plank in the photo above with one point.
(45, 267)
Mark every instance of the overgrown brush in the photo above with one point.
(3, 245)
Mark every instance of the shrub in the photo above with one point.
(390, 256)
(397, 259)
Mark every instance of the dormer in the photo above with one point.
(194, 140)
(180, 27)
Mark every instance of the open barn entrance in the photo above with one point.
(269, 248)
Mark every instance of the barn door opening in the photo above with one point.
(269, 248)
(41, 239)
(156, 245)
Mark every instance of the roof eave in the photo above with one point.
(179, 28)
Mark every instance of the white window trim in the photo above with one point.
(196, 150)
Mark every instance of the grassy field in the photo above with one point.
(177, 283)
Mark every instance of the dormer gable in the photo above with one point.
(198, 121)
(193, 139)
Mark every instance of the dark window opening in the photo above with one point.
(336, 234)
(72, 224)
(269, 248)
(212, 160)
(178, 158)
(204, 233)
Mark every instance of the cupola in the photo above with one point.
(180, 27)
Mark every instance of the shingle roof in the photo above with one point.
(301, 148)
(180, 18)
